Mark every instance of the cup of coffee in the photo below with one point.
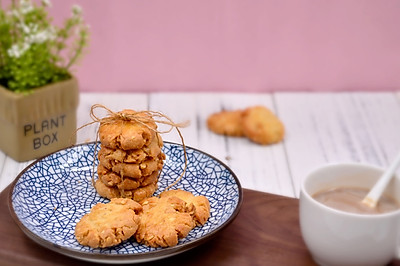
(336, 230)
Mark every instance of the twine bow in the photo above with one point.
(143, 118)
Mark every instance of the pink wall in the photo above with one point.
(239, 45)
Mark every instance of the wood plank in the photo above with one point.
(338, 127)
(179, 107)
(10, 171)
(380, 113)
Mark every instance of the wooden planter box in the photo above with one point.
(41, 122)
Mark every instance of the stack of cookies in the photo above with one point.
(130, 158)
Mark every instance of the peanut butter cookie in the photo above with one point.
(108, 177)
(108, 224)
(201, 203)
(127, 134)
(111, 179)
(164, 221)
(106, 191)
(107, 155)
(227, 123)
(262, 126)
(137, 194)
(138, 170)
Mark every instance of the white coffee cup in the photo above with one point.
(336, 237)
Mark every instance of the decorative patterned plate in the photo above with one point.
(50, 196)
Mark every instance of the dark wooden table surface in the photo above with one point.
(265, 232)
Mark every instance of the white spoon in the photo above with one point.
(375, 193)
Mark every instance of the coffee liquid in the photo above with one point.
(349, 200)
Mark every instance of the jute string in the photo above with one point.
(143, 118)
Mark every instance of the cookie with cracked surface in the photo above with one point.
(137, 194)
(227, 123)
(138, 170)
(108, 155)
(140, 193)
(112, 179)
(150, 179)
(128, 134)
(108, 177)
(261, 125)
(164, 221)
(130, 183)
(108, 224)
(201, 203)
(106, 191)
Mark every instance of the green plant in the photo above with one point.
(33, 52)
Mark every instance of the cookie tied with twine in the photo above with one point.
(145, 119)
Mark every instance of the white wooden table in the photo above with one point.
(320, 128)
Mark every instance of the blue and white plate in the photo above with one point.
(52, 194)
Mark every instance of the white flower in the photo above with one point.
(25, 28)
(76, 10)
(41, 36)
(25, 6)
(46, 3)
(16, 50)
(14, 13)
(28, 29)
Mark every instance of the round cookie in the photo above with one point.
(108, 177)
(111, 179)
(145, 168)
(127, 134)
(154, 148)
(227, 123)
(131, 183)
(108, 224)
(105, 191)
(261, 126)
(136, 194)
(163, 221)
(140, 193)
(153, 178)
(201, 203)
(106, 155)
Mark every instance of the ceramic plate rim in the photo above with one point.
(122, 258)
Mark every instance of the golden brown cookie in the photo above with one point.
(137, 194)
(106, 191)
(107, 155)
(108, 224)
(140, 193)
(131, 183)
(138, 170)
(153, 178)
(227, 123)
(111, 179)
(163, 221)
(127, 134)
(107, 176)
(201, 203)
(262, 126)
